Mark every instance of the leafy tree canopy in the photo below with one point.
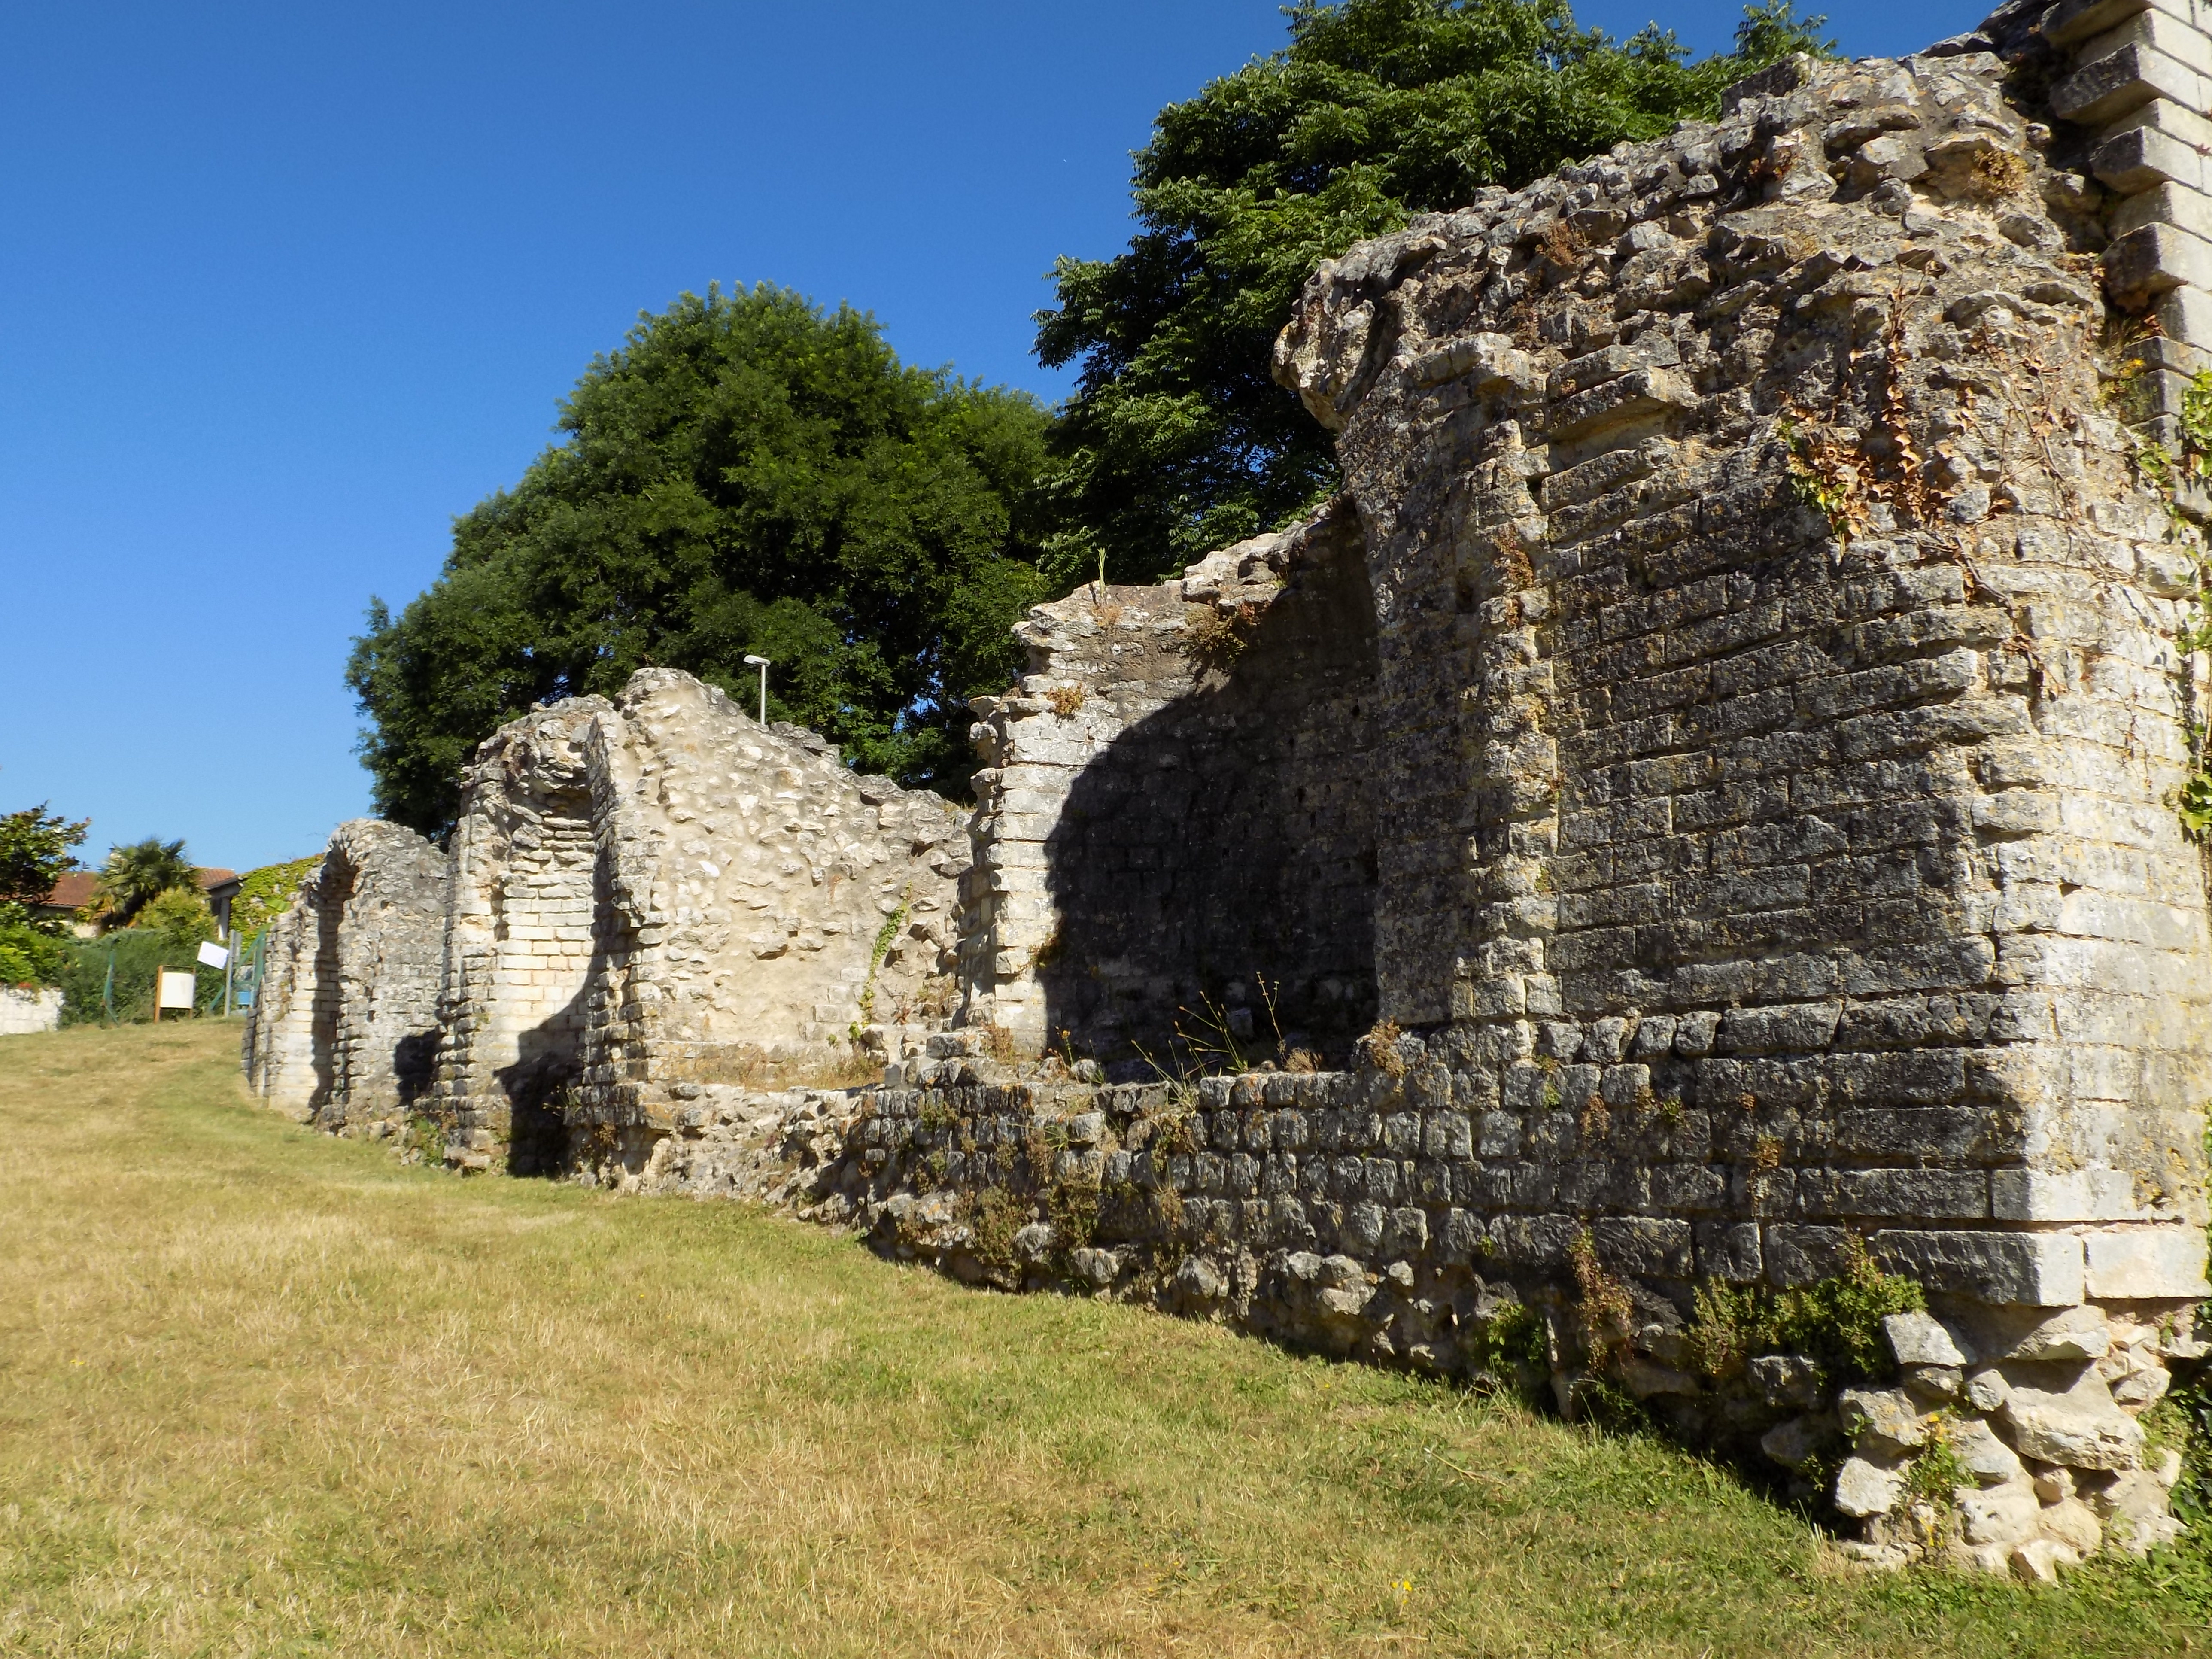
(747, 475)
(136, 874)
(35, 853)
(1176, 441)
(181, 915)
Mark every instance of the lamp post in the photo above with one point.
(760, 663)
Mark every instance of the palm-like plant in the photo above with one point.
(134, 876)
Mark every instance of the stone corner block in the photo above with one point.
(2126, 1264)
(2036, 1270)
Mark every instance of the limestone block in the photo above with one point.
(1864, 1487)
(2123, 80)
(2139, 1263)
(1917, 1339)
(2178, 37)
(2149, 260)
(2005, 1514)
(2076, 1431)
(2182, 206)
(2036, 1269)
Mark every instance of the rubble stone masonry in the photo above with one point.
(653, 889)
(344, 1025)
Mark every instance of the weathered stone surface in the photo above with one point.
(2003, 1513)
(1865, 1488)
(1724, 740)
(343, 1028)
(1917, 1339)
(1885, 1420)
(1987, 1458)
(24, 1011)
(1174, 836)
(652, 891)
(2074, 1429)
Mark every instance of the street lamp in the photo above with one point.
(760, 663)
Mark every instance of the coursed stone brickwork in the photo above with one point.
(1726, 739)
(1175, 825)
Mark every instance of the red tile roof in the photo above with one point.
(74, 890)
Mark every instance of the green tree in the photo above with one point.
(34, 853)
(135, 875)
(746, 475)
(181, 916)
(1176, 441)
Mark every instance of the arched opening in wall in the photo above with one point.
(543, 910)
(1213, 870)
(334, 884)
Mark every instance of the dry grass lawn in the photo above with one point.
(266, 1393)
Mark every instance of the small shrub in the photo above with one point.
(1214, 639)
(1510, 1339)
(1937, 1472)
(1595, 1123)
(993, 1216)
(1562, 243)
(1066, 700)
(1607, 1314)
(1836, 1320)
(1380, 1046)
(1998, 174)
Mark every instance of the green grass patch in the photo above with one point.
(263, 1391)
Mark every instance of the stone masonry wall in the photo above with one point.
(1164, 825)
(652, 891)
(341, 1027)
(1792, 703)
(23, 1011)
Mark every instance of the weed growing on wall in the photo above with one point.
(886, 936)
(1835, 1321)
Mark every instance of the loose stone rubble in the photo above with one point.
(345, 1025)
(1708, 787)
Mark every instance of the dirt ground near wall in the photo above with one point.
(264, 1391)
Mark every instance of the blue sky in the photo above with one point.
(284, 288)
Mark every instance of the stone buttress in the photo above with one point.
(343, 1026)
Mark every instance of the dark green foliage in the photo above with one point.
(137, 953)
(1836, 1321)
(747, 474)
(137, 874)
(1512, 1341)
(34, 853)
(31, 953)
(1178, 441)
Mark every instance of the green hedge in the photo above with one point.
(137, 953)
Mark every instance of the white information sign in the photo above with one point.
(215, 955)
(177, 990)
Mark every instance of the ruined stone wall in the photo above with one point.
(341, 1030)
(652, 889)
(1175, 825)
(1780, 696)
